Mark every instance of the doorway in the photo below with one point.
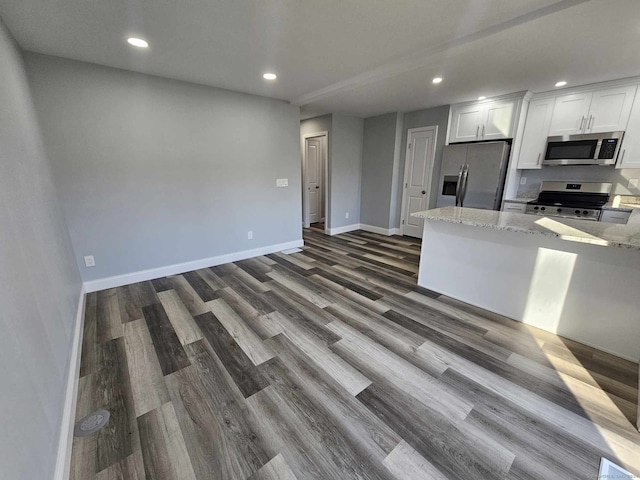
(418, 172)
(314, 184)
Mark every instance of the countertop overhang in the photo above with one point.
(582, 231)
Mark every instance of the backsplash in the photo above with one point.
(619, 178)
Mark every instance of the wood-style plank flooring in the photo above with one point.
(332, 364)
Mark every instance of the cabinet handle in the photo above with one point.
(581, 123)
(591, 119)
(538, 161)
(477, 131)
(482, 131)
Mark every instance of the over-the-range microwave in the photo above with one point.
(583, 149)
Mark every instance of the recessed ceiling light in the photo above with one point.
(269, 76)
(561, 83)
(137, 42)
(437, 80)
(482, 98)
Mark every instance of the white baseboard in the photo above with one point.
(65, 442)
(345, 229)
(367, 228)
(380, 230)
(176, 269)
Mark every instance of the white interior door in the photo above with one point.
(313, 182)
(421, 147)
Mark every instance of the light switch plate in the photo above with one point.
(282, 182)
(523, 180)
(89, 261)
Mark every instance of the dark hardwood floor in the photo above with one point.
(332, 364)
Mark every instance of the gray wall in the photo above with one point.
(619, 178)
(379, 150)
(40, 285)
(154, 172)
(423, 118)
(345, 169)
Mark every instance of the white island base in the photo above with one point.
(586, 291)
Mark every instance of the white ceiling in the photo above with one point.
(361, 57)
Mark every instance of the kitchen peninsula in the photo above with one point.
(576, 278)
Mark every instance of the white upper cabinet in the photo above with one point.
(465, 123)
(605, 110)
(610, 109)
(499, 120)
(536, 131)
(483, 121)
(570, 114)
(629, 156)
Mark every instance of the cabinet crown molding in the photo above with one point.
(556, 92)
(523, 95)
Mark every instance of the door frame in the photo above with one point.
(433, 128)
(325, 178)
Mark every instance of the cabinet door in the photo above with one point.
(629, 156)
(514, 207)
(610, 108)
(498, 120)
(570, 114)
(614, 216)
(536, 131)
(465, 123)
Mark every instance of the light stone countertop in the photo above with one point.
(519, 200)
(583, 231)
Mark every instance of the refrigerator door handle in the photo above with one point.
(463, 192)
(459, 185)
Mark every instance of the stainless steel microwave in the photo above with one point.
(583, 149)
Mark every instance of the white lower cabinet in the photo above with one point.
(614, 216)
(514, 207)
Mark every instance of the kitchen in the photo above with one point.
(562, 254)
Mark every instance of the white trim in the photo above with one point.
(175, 269)
(380, 230)
(325, 180)
(345, 229)
(367, 228)
(428, 172)
(65, 442)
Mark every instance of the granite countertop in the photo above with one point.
(583, 231)
(519, 200)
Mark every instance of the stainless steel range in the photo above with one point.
(582, 200)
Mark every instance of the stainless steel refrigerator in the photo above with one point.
(473, 175)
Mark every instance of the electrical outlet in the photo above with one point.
(346, 214)
(633, 183)
(89, 261)
(250, 235)
(282, 182)
(523, 180)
